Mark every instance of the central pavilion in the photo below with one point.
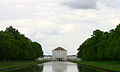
(59, 54)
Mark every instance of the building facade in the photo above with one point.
(59, 54)
(45, 58)
(72, 57)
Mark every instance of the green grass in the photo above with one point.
(111, 65)
(10, 64)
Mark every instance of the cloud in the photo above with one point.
(80, 4)
(112, 3)
(53, 24)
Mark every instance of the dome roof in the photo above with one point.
(59, 48)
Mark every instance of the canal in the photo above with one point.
(57, 66)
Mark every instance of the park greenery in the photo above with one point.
(33, 68)
(111, 66)
(6, 66)
(16, 46)
(101, 46)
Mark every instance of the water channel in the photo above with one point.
(57, 66)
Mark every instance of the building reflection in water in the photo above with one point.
(47, 67)
(72, 67)
(59, 66)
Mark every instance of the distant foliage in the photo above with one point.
(101, 46)
(15, 46)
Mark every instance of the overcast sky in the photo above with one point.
(64, 23)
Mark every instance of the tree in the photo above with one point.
(15, 46)
(101, 46)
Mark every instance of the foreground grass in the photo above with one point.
(110, 65)
(10, 64)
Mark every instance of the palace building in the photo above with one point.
(59, 54)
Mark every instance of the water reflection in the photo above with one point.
(29, 69)
(87, 69)
(57, 67)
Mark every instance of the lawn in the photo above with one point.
(11, 64)
(110, 65)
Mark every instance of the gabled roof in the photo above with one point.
(60, 48)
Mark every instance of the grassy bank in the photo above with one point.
(110, 65)
(8, 65)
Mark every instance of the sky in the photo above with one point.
(59, 23)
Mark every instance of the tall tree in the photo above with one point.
(101, 46)
(16, 46)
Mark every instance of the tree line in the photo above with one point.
(16, 46)
(101, 46)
